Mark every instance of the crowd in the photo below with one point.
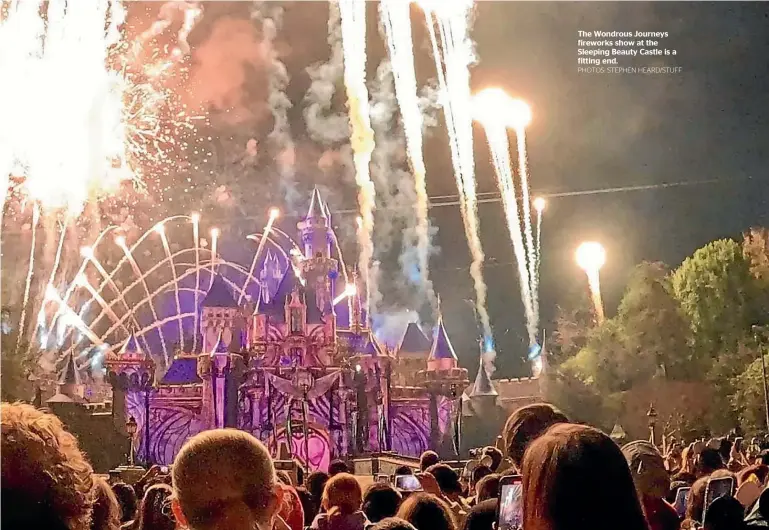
(571, 477)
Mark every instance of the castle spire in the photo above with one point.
(69, 374)
(483, 385)
(317, 208)
(442, 355)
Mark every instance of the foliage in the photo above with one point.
(748, 398)
(15, 367)
(720, 297)
(572, 323)
(755, 247)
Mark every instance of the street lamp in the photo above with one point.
(131, 427)
(652, 419)
(758, 331)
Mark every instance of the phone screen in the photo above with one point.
(164, 469)
(383, 478)
(510, 510)
(408, 483)
(682, 498)
(718, 487)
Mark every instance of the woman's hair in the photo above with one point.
(575, 477)
(380, 501)
(427, 512)
(342, 495)
(126, 498)
(106, 509)
(526, 425)
(487, 487)
(220, 472)
(46, 480)
(695, 504)
(155, 509)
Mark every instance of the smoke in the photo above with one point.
(271, 18)
(323, 124)
(390, 326)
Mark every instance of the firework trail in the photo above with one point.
(523, 171)
(265, 236)
(452, 60)
(160, 229)
(500, 155)
(396, 18)
(353, 13)
(30, 272)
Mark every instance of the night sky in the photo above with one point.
(710, 122)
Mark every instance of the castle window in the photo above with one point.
(296, 320)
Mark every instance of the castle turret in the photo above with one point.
(69, 388)
(222, 373)
(315, 229)
(221, 316)
(270, 276)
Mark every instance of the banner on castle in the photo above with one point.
(319, 387)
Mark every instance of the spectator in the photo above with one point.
(224, 479)
(478, 473)
(126, 497)
(526, 425)
(575, 477)
(427, 512)
(342, 499)
(487, 487)
(696, 502)
(291, 509)
(106, 510)
(652, 483)
(758, 517)
(155, 509)
(283, 476)
(709, 461)
(724, 513)
(308, 506)
(316, 483)
(404, 470)
(495, 455)
(482, 516)
(428, 458)
(448, 481)
(757, 472)
(381, 501)
(393, 523)
(46, 481)
(336, 467)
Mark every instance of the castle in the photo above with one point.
(299, 368)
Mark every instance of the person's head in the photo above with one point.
(393, 523)
(381, 501)
(763, 457)
(283, 476)
(46, 480)
(404, 470)
(647, 468)
(309, 508)
(106, 510)
(447, 479)
(336, 467)
(482, 516)
(342, 495)
(478, 473)
(427, 512)
(575, 477)
(155, 509)
(709, 460)
(756, 472)
(725, 449)
(487, 487)
(126, 497)
(428, 458)
(224, 478)
(526, 425)
(316, 483)
(724, 513)
(495, 455)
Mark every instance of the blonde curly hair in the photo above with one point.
(46, 479)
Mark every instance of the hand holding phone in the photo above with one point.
(407, 483)
(682, 499)
(718, 487)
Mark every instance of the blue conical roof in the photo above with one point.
(483, 385)
(414, 341)
(317, 207)
(69, 374)
(442, 348)
(219, 295)
(131, 346)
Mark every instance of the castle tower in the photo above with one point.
(221, 316)
(222, 373)
(270, 276)
(69, 387)
(131, 372)
(411, 355)
(481, 410)
(315, 229)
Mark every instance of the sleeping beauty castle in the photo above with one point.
(299, 368)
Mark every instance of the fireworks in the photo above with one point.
(591, 256)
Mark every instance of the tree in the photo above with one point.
(573, 322)
(755, 247)
(720, 298)
(15, 368)
(748, 397)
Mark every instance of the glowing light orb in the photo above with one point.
(195, 218)
(120, 241)
(214, 232)
(520, 113)
(539, 204)
(81, 280)
(490, 107)
(274, 213)
(160, 229)
(535, 350)
(351, 289)
(358, 368)
(591, 256)
(488, 344)
(86, 252)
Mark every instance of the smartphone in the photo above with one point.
(407, 483)
(164, 469)
(718, 487)
(682, 498)
(383, 478)
(510, 503)
(738, 444)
